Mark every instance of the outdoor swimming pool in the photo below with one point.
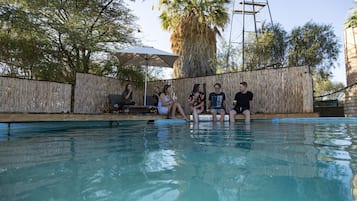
(279, 160)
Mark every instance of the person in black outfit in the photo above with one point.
(128, 95)
(156, 95)
(241, 103)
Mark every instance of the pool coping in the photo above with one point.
(47, 117)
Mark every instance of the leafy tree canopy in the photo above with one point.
(54, 39)
(313, 45)
(268, 49)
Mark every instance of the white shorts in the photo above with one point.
(163, 110)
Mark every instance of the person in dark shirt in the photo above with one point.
(196, 101)
(128, 95)
(216, 102)
(241, 103)
(156, 95)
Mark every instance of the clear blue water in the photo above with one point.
(270, 161)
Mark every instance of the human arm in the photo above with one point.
(128, 94)
(190, 100)
(235, 100)
(209, 103)
(250, 103)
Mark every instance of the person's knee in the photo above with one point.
(246, 112)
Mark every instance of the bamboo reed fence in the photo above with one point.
(91, 92)
(20, 95)
(285, 90)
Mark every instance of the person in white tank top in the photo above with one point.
(168, 105)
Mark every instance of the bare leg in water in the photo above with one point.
(173, 110)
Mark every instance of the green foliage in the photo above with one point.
(313, 45)
(323, 85)
(352, 20)
(310, 45)
(113, 68)
(268, 49)
(211, 13)
(227, 58)
(53, 40)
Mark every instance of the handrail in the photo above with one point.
(339, 90)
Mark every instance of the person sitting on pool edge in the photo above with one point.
(241, 103)
(216, 103)
(168, 105)
(196, 101)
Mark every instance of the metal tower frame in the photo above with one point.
(247, 8)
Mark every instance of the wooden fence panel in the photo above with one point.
(29, 96)
(285, 90)
(91, 92)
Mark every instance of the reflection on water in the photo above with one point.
(197, 161)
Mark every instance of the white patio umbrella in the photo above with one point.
(148, 56)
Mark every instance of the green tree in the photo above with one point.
(55, 39)
(324, 88)
(194, 25)
(313, 45)
(111, 67)
(21, 46)
(227, 57)
(268, 49)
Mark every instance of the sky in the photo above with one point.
(288, 13)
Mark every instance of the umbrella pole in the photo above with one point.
(146, 80)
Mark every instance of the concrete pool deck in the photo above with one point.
(32, 117)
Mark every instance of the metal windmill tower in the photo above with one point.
(245, 19)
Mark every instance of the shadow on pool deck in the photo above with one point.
(31, 117)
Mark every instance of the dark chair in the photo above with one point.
(150, 101)
(116, 102)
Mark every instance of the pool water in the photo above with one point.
(140, 160)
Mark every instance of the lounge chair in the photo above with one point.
(117, 103)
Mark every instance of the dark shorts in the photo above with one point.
(240, 110)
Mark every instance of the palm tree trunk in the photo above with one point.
(195, 43)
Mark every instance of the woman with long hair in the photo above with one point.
(128, 95)
(168, 105)
(196, 101)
